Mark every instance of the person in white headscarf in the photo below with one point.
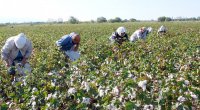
(15, 52)
(119, 36)
(162, 30)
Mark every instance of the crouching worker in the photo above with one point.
(140, 34)
(15, 53)
(69, 44)
(119, 36)
(162, 30)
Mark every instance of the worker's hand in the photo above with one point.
(75, 47)
(24, 61)
(7, 63)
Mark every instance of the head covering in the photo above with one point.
(20, 40)
(121, 30)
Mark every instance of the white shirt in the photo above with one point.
(137, 35)
(162, 28)
(10, 51)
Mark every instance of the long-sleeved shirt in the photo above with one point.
(119, 39)
(65, 42)
(162, 29)
(10, 51)
(138, 35)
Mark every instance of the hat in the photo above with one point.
(20, 40)
(121, 30)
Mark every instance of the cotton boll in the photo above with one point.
(181, 99)
(86, 100)
(142, 84)
(71, 91)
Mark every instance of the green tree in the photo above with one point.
(73, 20)
(101, 19)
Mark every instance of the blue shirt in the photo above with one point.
(65, 42)
(19, 56)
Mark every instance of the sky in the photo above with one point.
(17, 11)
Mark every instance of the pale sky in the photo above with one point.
(86, 10)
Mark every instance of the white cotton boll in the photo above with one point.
(71, 91)
(10, 105)
(24, 82)
(104, 74)
(50, 73)
(101, 92)
(111, 107)
(181, 79)
(85, 85)
(186, 82)
(117, 73)
(48, 105)
(130, 75)
(33, 98)
(107, 90)
(72, 78)
(86, 100)
(125, 62)
(181, 99)
(193, 95)
(149, 76)
(33, 104)
(49, 96)
(142, 84)
(34, 89)
(148, 107)
(121, 98)
(170, 76)
(53, 83)
(132, 95)
(116, 90)
(54, 95)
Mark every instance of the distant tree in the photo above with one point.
(101, 19)
(193, 19)
(60, 20)
(168, 19)
(198, 18)
(73, 20)
(132, 20)
(162, 19)
(125, 20)
(111, 20)
(92, 21)
(118, 19)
